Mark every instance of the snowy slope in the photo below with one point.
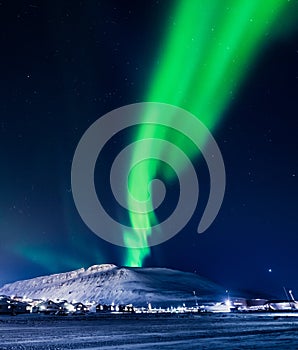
(108, 283)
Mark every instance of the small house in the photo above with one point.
(104, 308)
(47, 307)
(20, 307)
(5, 306)
(126, 308)
(12, 307)
(65, 307)
(80, 308)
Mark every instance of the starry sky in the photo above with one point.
(65, 64)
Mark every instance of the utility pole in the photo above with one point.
(196, 300)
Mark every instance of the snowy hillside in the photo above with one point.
(108, 283)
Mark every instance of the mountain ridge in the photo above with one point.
(108, 283)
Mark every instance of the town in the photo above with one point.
(14, 305)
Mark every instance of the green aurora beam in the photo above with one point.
(208, 50)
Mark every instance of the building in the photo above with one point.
(281, 305)
(13, 307)
(126, 308)
(47, 307)
(80, 308)
(104, 308)
(5, 306)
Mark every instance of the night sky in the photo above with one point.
(66, 63)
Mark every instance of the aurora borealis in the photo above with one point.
(233, 64)
(206, 53)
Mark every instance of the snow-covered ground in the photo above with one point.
(109, 284)
(215, 331)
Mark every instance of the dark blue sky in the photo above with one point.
(64, 64)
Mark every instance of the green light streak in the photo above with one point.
(209, 49)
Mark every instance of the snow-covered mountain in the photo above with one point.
(122, 285)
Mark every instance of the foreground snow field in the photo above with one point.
(215, 331)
